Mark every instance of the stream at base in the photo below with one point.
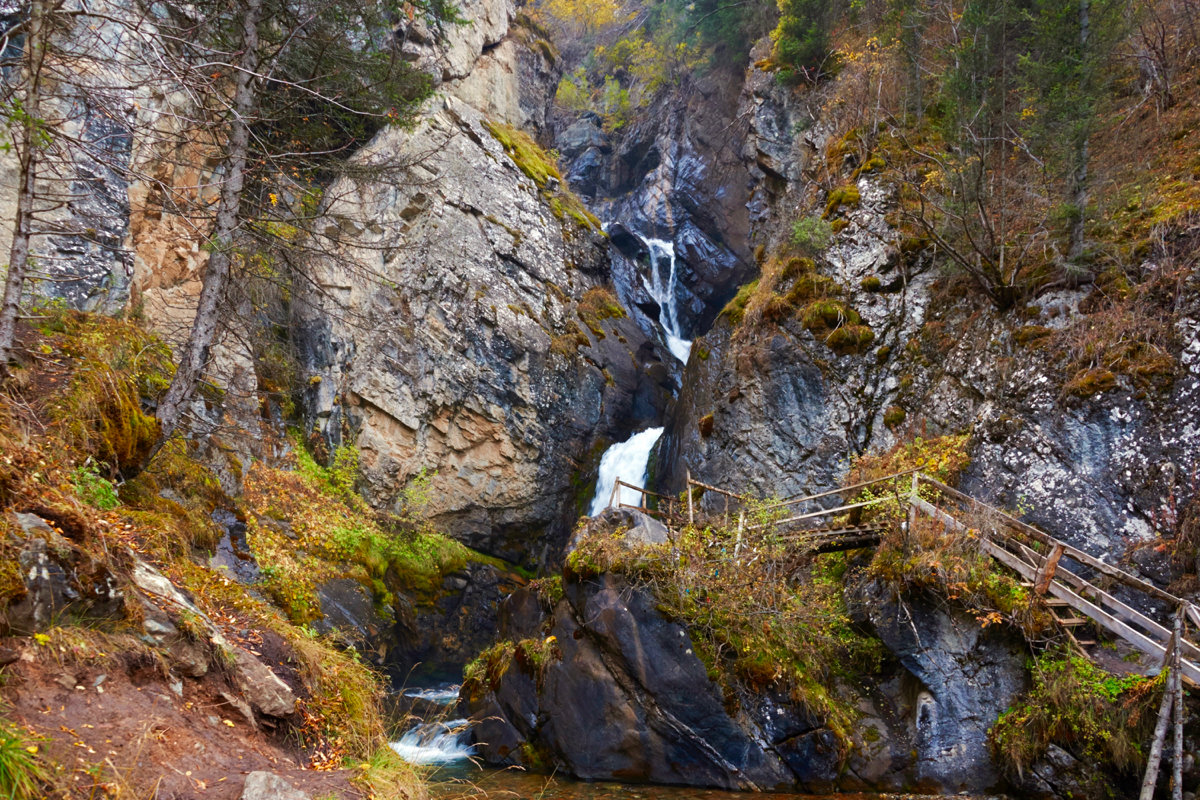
(441, 744)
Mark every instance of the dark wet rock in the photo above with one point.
(969, 675)
(348, 610)
(624, 697)
(437, 638)
(233, 555)
(676, 174)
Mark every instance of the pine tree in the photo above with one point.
(1068, 43)
(801, 38)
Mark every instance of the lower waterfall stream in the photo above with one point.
(626, 461)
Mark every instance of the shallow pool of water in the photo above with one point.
(466, 781)
(435, 741)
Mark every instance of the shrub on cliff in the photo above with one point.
(1097, 716)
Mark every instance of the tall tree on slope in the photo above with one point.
(312, 80)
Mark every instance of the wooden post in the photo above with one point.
(1177, 691)
(691, 506)
(726, 512)
(616, 488)
(1160, 733)
(1046, 573)
(737, 547)
(912, 509)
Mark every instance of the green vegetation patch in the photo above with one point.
(97, 407)
(24, 775)
(735, 309)
(597, 305)
(1099, 717)
(847, 195)
(543, 170)
(313, 511)
(753, 629)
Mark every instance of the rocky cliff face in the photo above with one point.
(470, 336)
(675, 174)
(769, 406)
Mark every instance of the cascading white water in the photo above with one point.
(626, 461)
(435, 743)
(442, 696)
(663, 292)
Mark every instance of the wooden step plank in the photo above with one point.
(1120, 609)
(1071, 622)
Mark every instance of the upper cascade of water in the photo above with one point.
(626, 461)
(662, 289)
(442, 695)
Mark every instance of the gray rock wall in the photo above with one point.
(448, 339)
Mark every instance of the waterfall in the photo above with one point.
(434, 743)
(442, 696)
(627, 461)
(663, 292)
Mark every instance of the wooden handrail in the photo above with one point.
(643, 490)
(861, 485)
(708, 488)
(825, 512)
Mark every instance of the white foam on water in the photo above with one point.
(626, 461)
(443, 696)
(435, 743)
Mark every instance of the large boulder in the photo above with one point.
(58, 577)
(600, 685)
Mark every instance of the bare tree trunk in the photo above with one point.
(1177, 690)
(31, 133)
(1079, 172)
(216, 274)
(1160, 729)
